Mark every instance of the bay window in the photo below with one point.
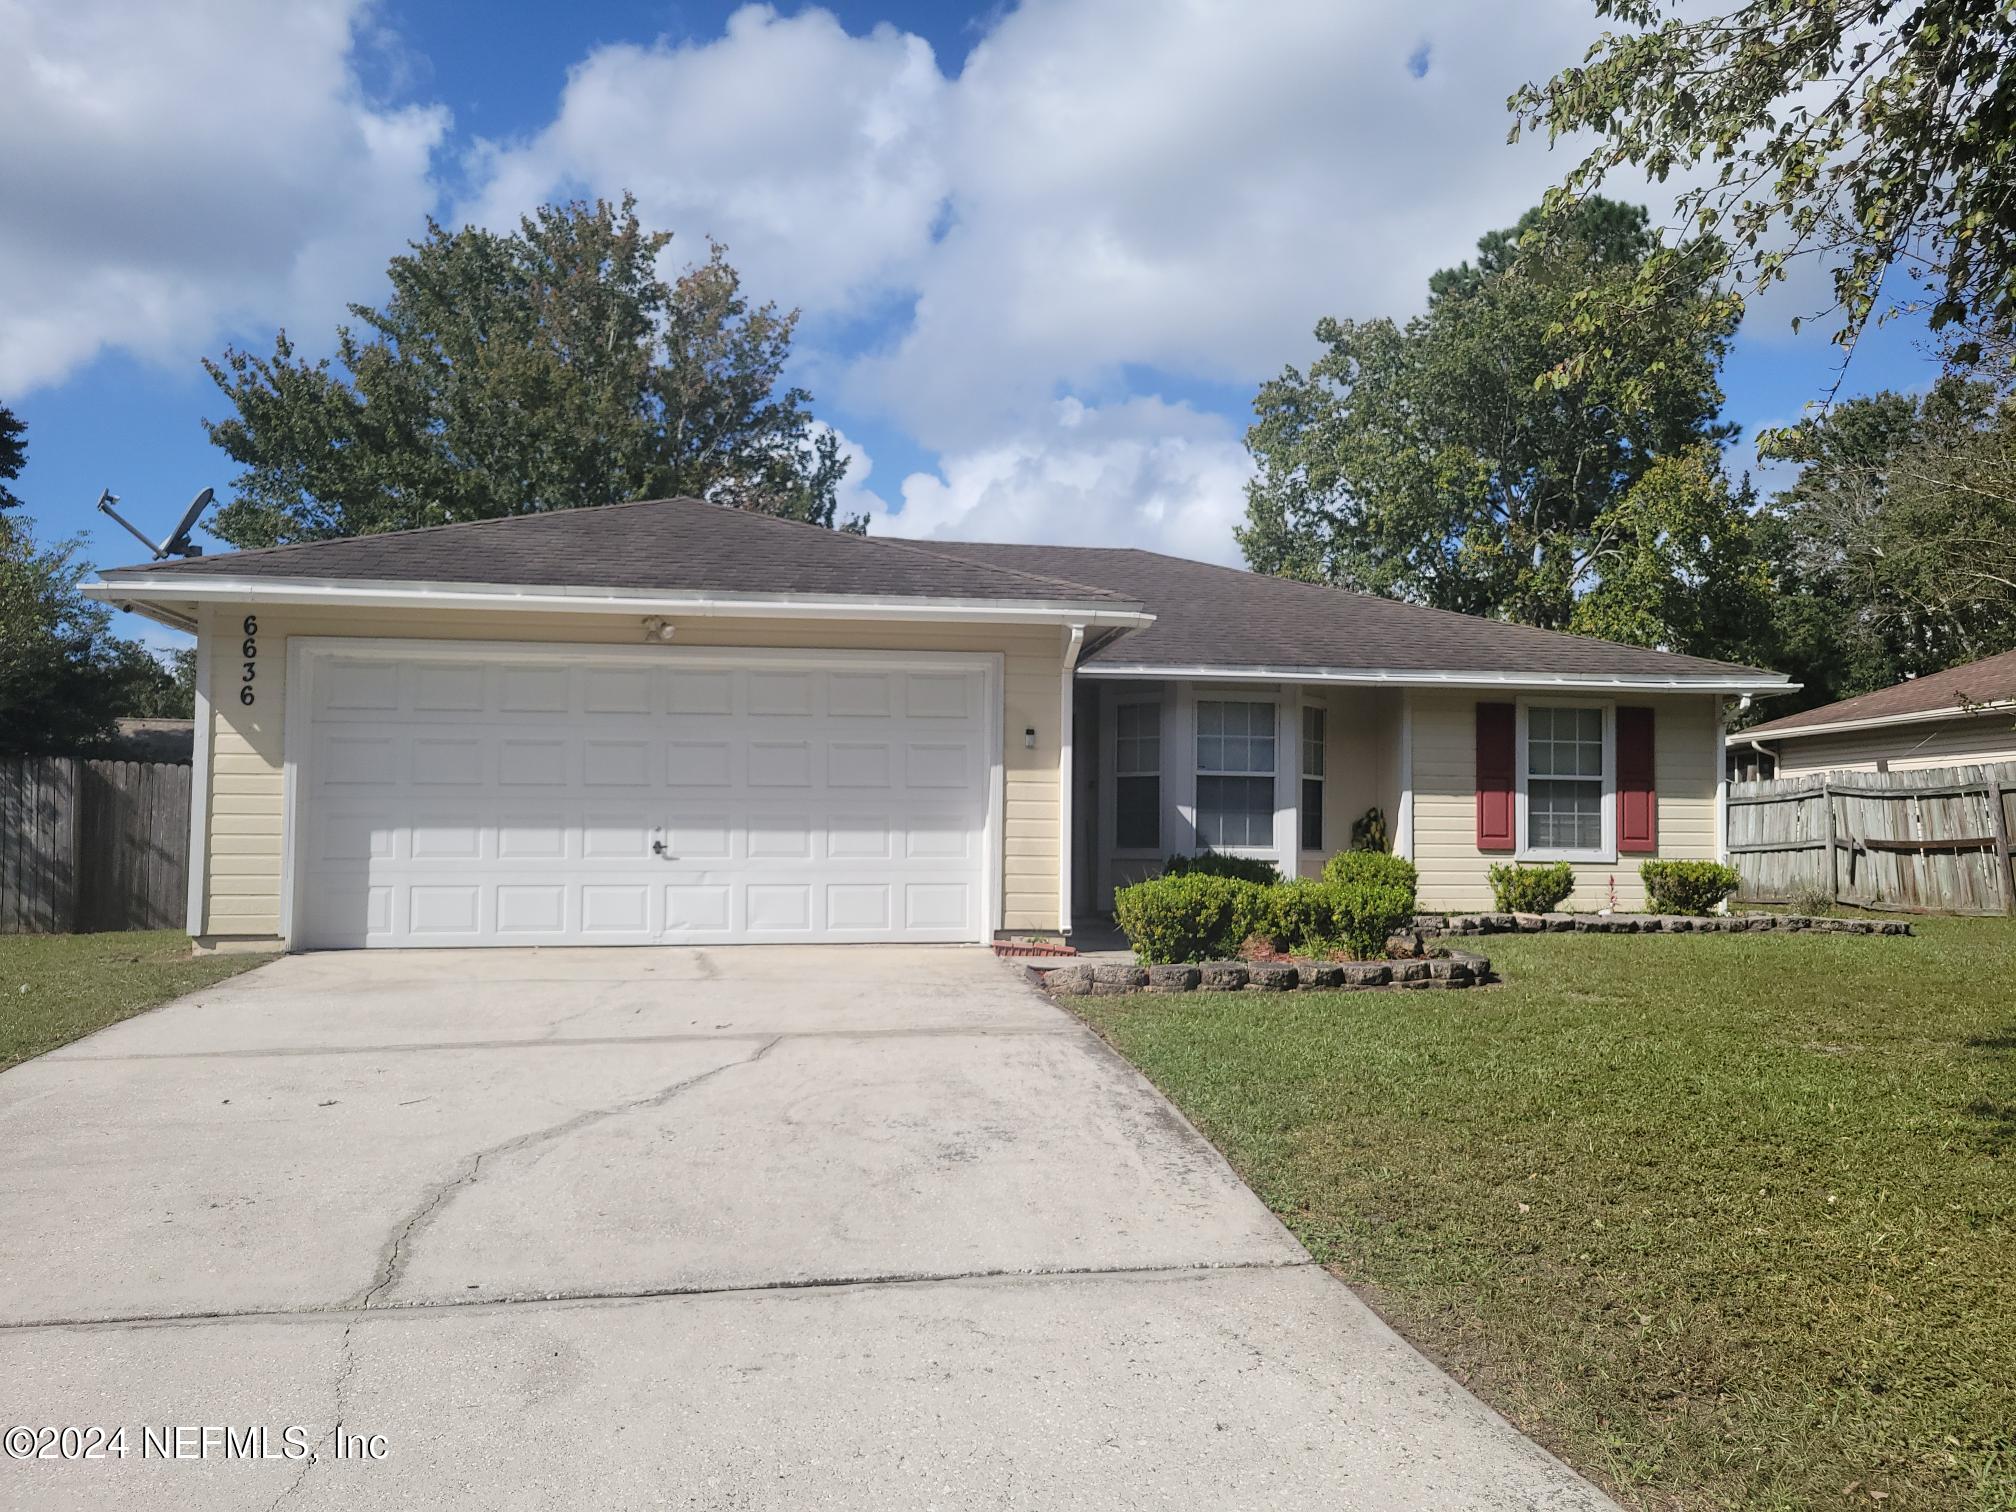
(1235, 774)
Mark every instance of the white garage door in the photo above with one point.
(534, 797)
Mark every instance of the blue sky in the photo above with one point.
(1045, 252)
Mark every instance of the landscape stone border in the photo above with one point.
(1431, 926)
(1456, 968)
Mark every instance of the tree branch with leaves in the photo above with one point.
(1869, 135)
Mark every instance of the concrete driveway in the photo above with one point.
(869, 1227)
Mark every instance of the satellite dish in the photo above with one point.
(177, 543)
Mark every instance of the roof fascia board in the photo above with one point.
(160, 589)
(1379, 677)
(1882, 721)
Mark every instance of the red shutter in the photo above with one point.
(1637, 802)
(1497, 752)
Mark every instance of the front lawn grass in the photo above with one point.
(57, 988)
(1726, 1221)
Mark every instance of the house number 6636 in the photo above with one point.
(250, 651)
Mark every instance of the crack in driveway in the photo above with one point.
(398, 1247)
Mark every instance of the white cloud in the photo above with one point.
(1187, 188)
(1107, 187)
(176, 171)
(1137, 473)
(813, 154)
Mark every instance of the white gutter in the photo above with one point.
(1381, 677)
(1883, 721)
(171, 589)
(1074, 643)
(199, 799)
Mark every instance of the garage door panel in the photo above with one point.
(771, 695)
(448, 837)
(937, 905)
(860, 695)
(699, 763)
(518, 802)
(616, 763)
(537, 908)
(860, 837)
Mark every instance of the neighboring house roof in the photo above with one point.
(658, 545)
(1210, 616)
(1992, 681)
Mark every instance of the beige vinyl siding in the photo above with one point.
(246, 810)
(1445, 801)
(1907, 747)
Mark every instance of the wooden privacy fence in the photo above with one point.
(1931, 841)
(87, 846)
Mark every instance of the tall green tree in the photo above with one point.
(13, 453)
(64, 677)
(1896, 542)
(59, 683)
(1871, 135)
(547, 368)
(1424, 462)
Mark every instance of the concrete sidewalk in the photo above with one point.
(864, 1227)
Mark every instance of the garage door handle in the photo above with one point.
(657, 847)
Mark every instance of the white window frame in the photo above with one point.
(1303, 774)
(1198, 771)
(1160, 774)
(1607, 851)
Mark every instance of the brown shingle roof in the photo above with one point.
(669, 545)
(1205, 615)
(1223, 616)
(1990, 680)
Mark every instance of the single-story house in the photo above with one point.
(1958, 717)
(674, 722)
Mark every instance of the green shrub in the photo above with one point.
(1373, 868)
(1363, 914)
(1687, 887)
(1198, 917)
(1295, 915)
(1531, 889)
(1215, 864)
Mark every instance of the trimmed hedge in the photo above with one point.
(1174, 920)
(1373, 868)
(1531, 889)
(1687, 887)
(1198, 917)
(1215, 864)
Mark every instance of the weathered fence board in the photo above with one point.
(90, 846)
(1935, 841)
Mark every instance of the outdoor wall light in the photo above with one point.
(658, 629)
(1029, 738)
